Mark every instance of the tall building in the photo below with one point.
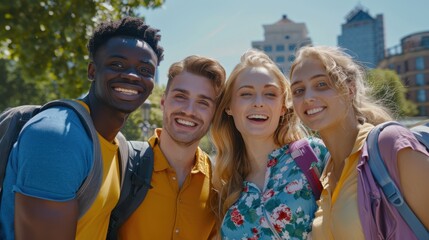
(363, 36)
(410, 60)
(281, 40)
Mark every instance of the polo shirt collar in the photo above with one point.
(202, 163)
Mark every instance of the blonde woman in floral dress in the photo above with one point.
(263, 194)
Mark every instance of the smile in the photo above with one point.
(257, 117)
(185, 122)
(314, 111)
(126, 91)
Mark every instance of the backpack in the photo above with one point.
(12, 121)
(305, 158)
(382, 177)
(136, 185)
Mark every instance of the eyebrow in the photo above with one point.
(313, 77)
(181, 90)
(265, 86)
(145, 61)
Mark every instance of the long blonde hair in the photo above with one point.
(231, 165)
(346, 74)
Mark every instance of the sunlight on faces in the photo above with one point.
(257, 103)
(316, 101)
(188, 108)
(123, 72)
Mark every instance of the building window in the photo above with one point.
(257, 47)
(292, 47)
(420, 63)
(280, 59)
(291, 58)
(391, 66)
(287, 37)
(421, 95)
(406, 66)
(268, 48)
(420, 79)
(425, 42)
(280, 48)
(398, 69)
(406, 82)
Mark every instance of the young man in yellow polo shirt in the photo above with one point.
(178, 205)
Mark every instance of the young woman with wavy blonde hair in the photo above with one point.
(262, 192)
(331, 97)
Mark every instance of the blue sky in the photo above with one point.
(224, 29)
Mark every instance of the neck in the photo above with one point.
(340, 141)
(257, 153)
(106, 120)
(181, 157)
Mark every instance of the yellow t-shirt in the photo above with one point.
(170, 212)
(338, 214)
(94, 223)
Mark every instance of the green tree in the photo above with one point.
(133, 127)
(389, 89)
(43, 45)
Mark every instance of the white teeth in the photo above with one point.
(314, 111)
(184, 122)
(257, 116)
(126, 91)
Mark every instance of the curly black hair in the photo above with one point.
(129, 27)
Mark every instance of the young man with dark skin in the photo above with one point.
(53, 154)
(178, 205)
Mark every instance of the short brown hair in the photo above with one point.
(202, 66)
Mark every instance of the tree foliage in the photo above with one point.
(389, 89)
(133, 127)
(43, 45)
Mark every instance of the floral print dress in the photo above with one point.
(284, 209)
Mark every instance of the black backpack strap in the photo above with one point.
(136, 184)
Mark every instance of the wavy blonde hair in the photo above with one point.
(346, 74)
(231, 164)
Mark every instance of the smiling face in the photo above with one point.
(188, 108)
(317, 103)
(123, 72)
(257, 103)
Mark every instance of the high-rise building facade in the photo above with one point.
(410, 60)
(281, 40)
(363, 37)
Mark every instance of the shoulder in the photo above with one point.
(57, 125)
(397, 137)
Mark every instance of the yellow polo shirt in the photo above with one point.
(338, 214)
(168, 212)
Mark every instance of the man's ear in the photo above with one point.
(162, 101)
(91, 71)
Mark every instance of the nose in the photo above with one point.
(131, 74)
(188, 108)
(309, 96)
(259, 101)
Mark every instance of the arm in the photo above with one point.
(413, 168)
(50, 167)
(43, 219)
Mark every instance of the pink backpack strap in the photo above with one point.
(306, 160)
